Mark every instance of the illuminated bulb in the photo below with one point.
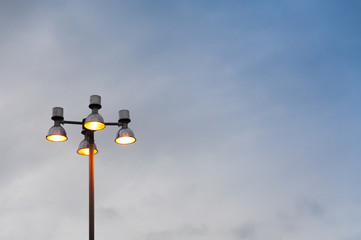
(83, 148)
(94, 126)
(125, 140)
(125, 136)
(56, 138)
(94, 122)
(56, 134)
(85, 151)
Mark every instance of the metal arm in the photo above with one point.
(71, 122)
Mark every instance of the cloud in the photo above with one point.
(184, 231)
(246, 231)
(311, 208)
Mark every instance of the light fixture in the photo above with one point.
(57, 133)
(125, 135)
(91, 124)
(83, 148)
(94, 121)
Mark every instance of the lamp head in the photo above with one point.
(56, 134)
(125, 136)
(94, 122)
(83, 148)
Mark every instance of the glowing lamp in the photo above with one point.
(94, 122)
(57, 133)
(56, 138)
(83, 148)
(125, 136)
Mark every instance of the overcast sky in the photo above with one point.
(246, 113)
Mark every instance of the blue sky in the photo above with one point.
(246, 115)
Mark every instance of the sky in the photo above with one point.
(246, 113)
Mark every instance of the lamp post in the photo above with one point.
(94, 122)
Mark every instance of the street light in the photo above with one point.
(57, 133)
(93, 122)
(83, 148)
(125, 135)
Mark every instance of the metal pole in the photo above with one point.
(91, 186)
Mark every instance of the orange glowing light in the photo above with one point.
(125, 140)
(85, 151)
(94, 126)
(56, 138)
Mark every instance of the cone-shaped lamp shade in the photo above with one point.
(125, 136)
(83, 148)
(94, 122)
(56, 134)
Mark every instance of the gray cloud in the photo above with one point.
(311, 208)
(184, 231)
(246, 231)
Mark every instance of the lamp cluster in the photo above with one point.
(94, 122)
